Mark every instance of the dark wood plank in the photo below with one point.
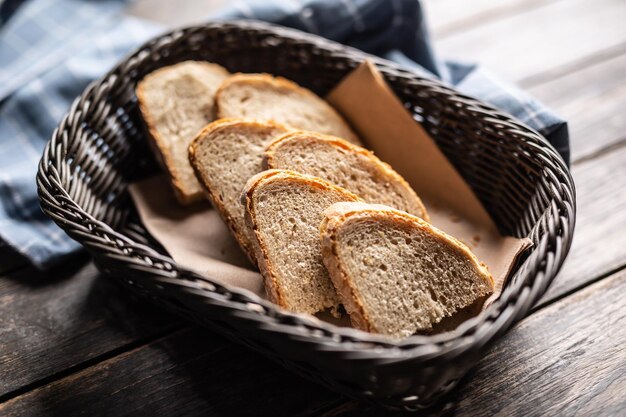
(599, 244)
(53, 321)
(191, 372)
(593, 101)
(539, 40)
(566, 360)
(550, 363)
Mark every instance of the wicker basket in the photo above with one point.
(99, 147)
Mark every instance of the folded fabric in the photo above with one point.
(51, 49)
(7, 8)
(51, 75)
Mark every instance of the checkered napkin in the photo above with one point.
(51, 49)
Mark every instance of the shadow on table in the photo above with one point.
(16, 268)
(106, 350)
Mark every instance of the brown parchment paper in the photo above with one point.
(195, 236)
(386, 127)
(197, 239)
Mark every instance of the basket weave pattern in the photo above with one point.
(100, 146)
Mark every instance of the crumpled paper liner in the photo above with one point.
(196, 238)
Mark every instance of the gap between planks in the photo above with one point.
(542, 40)
(124, 349)
(568, 68)
(614, 147)
(135, 381)
(469, 14)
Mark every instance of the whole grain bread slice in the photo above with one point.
(224, 156)
(264, 97)
(349, 166)
(176, 102)
(284, 209)
(395, 273)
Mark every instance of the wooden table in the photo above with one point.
(72, 343)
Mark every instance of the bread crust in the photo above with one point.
(383, 167)
(268, 271)
(157, 143)
(211, 191)
(338, 214)
(265, 79)
(339, 277)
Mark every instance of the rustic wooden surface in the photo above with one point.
(71, 343)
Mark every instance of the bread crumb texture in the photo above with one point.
(285, 209)
(176, 102)
(404, 275)
(264, 97)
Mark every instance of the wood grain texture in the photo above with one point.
(53, 321)
(175, 14)
(599, 244)
(189, 373)
(567, 360)
(593, 101)
(522, 45)
(447, 17)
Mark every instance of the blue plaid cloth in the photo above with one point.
(51, 49)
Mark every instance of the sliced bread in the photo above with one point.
(346, 165)
(395, 273)
(176, 102)
(264, 97)
(284, 209)
(224, 155)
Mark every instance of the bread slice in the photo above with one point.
(284, 209)
(263, 97)
(176, 102)
(395, 273)
(346, 165)
(224, 155)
